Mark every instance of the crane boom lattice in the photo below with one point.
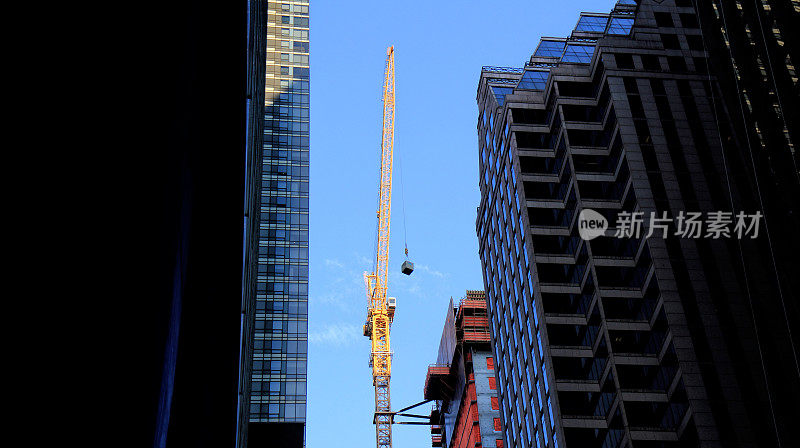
(379, 312)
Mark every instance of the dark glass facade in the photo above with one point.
(279, 332)
(643, 342)
(255, 106)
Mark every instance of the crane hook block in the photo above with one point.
(408, 267)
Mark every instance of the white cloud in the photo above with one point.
(427, 269)
(336, 334)
(364, 261)
(334, 262)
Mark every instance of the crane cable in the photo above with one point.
(403, 199)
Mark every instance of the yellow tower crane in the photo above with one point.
(380, 309)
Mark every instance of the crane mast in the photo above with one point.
(380, 312)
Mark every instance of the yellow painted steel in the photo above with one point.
(378, 325)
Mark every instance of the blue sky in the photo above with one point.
(440, 47)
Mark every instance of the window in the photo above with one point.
(695, 42)
(777, 33)
(624, 60)
(620, 26)
(700, 65)
(528, 428)
(492, 383)
(301, 47)
(581, 54)
(630, 85)
(676, 64)
(490, 363)
(500, 93)
(498, 443)
(664, 20)
(670, 42)
(497, 425)
(550, 48)
(592, 24)
(689, 21)
(544, 428)
(528, 376)
(790, 69)
(533, 80)
(495, 403)
(300, 72)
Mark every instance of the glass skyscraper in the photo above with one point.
(278, 321)
(676, 341)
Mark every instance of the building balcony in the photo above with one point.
(477, 336)
(439, 382)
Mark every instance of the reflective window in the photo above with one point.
(530, 333)
(528, 429)
(500, 93)
(528, 378)
(620, 26)
(544, 375)
(550, 48)
(592, 24)
(539, 341)
(581, 54)
(533, 80)
(544, 429)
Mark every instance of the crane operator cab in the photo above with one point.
(391, 304)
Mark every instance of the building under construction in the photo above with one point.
(463, 380)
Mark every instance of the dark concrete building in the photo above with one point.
(276, 308)
(462, 381)
(639, 340)
(753, 51)
(172, 213)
